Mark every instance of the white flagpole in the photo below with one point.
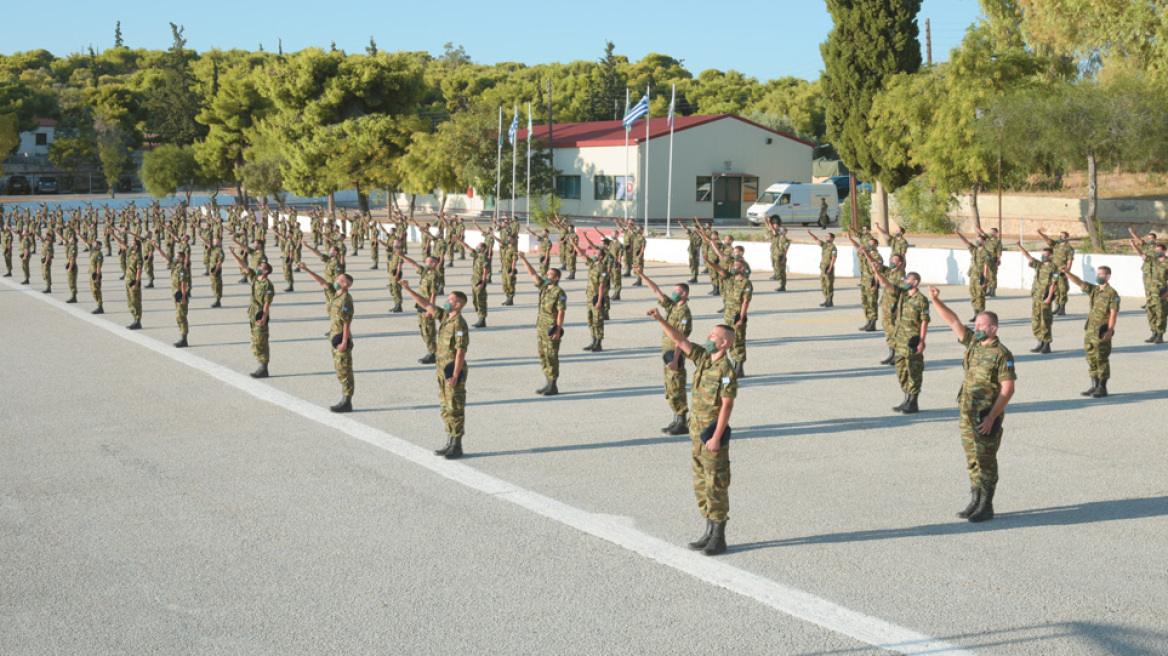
(514, 155)
(625, 191)
(499, 164)
(645, 179)
(669, 184)
(528, 208)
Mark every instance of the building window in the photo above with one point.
(42, 139)
(612, 187)
(749, 189)
(705, 189)
(568, 187)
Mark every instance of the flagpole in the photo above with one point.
(528, 207)
(645, 180)
(499, 164)
(669, 183)
(625, 192)
(514, 155)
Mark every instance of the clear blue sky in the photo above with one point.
(762, 39)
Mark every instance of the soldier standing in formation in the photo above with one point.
(96, 259)
(897, 243)
(978, 273)
(869, 287)
(993, 248)
(428, 288)
(71, 265)
(1100, 328)
(549, 324)
(596, 293)
(453, 339)
(259, 310)
(737, 292)
(694, 248)
(678, 315)
(908, 338)
(1042, 294)
(1158, 319)
(180, 287)
(341, 312)
(827, 258)
(714, 389)
(986, 390)
(780, 244)
(1063, 254)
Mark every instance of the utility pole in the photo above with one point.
(551, 142)
(928, 43)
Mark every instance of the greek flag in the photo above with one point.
(640, 109)
(514, 127)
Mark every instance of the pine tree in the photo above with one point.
(118, 43)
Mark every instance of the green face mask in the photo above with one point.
(675, 296)
(337, 286)
(710, 347)
(906, 286)
(1100, 280)
(979, 335)
(446, 306)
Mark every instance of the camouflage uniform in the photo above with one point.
(738, 292)
(453, 336)
(7, 252)
(509, 257)
(680, 317)
(427, 289)
(133, 296)
(340, 315)
(993, 247)
(598, 270)
(899, 247)
(71, 263)
(551, 300)
(890, 302)
(478, 280)
(912, 311)
(545, 253)
(695, 252)
(779, 246)
(714, 255)
(977, 279)
(393, 268)
(826, 276)
(1159, 281)
(712, 382)
(615, 253)
(869, 286)
(179, 275)
(47, 262)
(1148, 250)
(1041, 315)
(1064, 252)
(1102, 301)
(95, 261)
(986, 367)
(215, 261)
(568, 253)
(262, 291)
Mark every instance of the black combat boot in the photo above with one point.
(616, 296)
(637, 282)
(713, 291)
(396, 309)
(668, 430)
(721, 309)
(1062, 311)
(137, 325)
(8, 275)
(510, 301)
(481, 323)
(704, 539)
(829, 302)
(717, 543)
(891, 356)
(682, 424)
(910, 407)
(72, 299)
(98, 310)
(782, 288)
(591, 346)
(48, 290)
(1094, 386)
(288, 289)
(261, 371)
(427, 359)
(546, 385)
(1101, 391)
(1151, 339)
(1038, 349)
(375, 266)
(597, 348)
(693, 280)
(606, 317)
(740, 370)
(344, 405)
(903, 403)
(446, 449)
(552, 389)
(974, 498)
(182, 343)
(216, 304)
(150, 285)
(984, 509)
(455, 451)
(1159, 336)
(1045, 348)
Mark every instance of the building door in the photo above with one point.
(727, 198)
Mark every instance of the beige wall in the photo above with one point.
(1058, 214)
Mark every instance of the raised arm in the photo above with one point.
(1048, 240)
(947, 315)
(303, 267)
(817, 239)
(1025, 253)
(1072, 277)
(530, 270)
(962, 237)
(672, 333)
(652, 285)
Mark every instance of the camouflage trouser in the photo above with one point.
(478, 298)
(95, 287)
(24, 264)
(180, 316)
(992, 279)
(8, 261)
(614, 277)
(827, 283)
(549, 353)
(776, 260)
(1155, 308)
(711, 474)
(150, 269)
(1098, 356)
(675, 386)
(47, 272)
(1163, 315)
(373, 253)
(453, 405)
(1041, 318)
(429, 332)
(888, 318)
(288, 270)
(395, 290)
(695, 259)
(134, 300)
(781, 270)
(910, 369)
(627, 260)
(570, 262)
(217, 285)
(508, 281)
(596, 319)
(207, 260)
(507, 260)
(977, 295)
(981, 452)
(440, 280)
(71, 276)
(1060, 290)
(545, 261)
(869, 298)
(343, 361)
(259, 339)
(715, 280)
(738, 350)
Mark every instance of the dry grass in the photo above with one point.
(1112, 184)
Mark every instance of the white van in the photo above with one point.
(795, 202)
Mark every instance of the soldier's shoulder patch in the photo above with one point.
(725, 380)
(1010, 363)
(458, 333)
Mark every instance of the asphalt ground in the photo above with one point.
(155, 500)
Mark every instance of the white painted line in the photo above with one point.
(796, 603)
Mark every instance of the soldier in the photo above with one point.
(596, 293)
(258, 310)
(1064, 253)
(1145, 246)
(824, 217)
(896, 242)
(393, 266)
(892, 279)
(549, 324)
(479, 273)
(678, 315)
(826, 267)
(1158, 281)
(869, 286)
(978, 273)
(544, 239)
(737, 292)
(1042, 293)
(638, 251)
(133, 270)
(568, 241)
(453, 339)
(779, 247)
(1101, 316)
(908, 338)
(8, 233)
(95, 261)
(47, 262)
(341, 313)
(986, 389)
(510, 260)
(993, 249)
(215, 261)
(428, 288)
(180, 286)
(615, 252)
(714, 390)
(694, 249)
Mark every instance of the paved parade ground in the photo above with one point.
(157, 500)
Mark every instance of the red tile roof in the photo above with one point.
(612, 133)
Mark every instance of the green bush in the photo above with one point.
(544, 208)
(922, 209)
(863, 211)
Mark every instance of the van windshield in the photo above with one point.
(773, 198)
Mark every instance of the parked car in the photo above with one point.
(795, 202)
(843, 187)
(46, 185)
(18, 184)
